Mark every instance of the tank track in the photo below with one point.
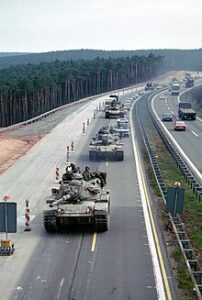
(50, 223)
(101, 223)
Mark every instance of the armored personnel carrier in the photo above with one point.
(78, 202)
(122, 127)
(106, 146)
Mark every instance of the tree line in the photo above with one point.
(175, 59)
(27, 91)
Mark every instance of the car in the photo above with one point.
(167, 117)
(180, 125)
(162, 97)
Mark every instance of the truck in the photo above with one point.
(185, 111)
(175, 89)
(189, 82)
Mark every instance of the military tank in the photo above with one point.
(114, 110)
(106, 146)
(78, 202)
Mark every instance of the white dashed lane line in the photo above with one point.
(195, 133)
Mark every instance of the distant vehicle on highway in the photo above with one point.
(162, 97)
(175, 89)
(167, 117)
(189, 82)
(149, 86)
(180, 125)
(185, 111)
(158, 87)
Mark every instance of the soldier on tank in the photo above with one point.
(87, 174)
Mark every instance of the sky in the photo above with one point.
(51, 25)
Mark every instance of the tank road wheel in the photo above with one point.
(50, 224)
(101, 223)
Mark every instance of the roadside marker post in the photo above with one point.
(67, 154)
(27, 216)
(72, 146)
(57, 174)
(83, 129)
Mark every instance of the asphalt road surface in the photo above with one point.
(190, 141)
(76, 265)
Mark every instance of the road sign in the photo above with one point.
(175, 200)
(8, 217)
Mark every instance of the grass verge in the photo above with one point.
(192, 215)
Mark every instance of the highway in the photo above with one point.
(78, 264)
(189, 141)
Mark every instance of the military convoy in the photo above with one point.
(78, 202)
(106, 146)
(80, 199)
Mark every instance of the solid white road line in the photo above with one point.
(60, 288)
(157, 269)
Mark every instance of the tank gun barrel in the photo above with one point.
(58, 201)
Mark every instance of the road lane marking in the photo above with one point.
(60, 288)
(94, 242)
(172, 112)
(195, 133)
(173, 141)
(107, 163)
(163, 288)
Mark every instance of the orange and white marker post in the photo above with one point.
(67, 153)
(94, 114)
(57, 174)
(84, 128)
(72, 146)
(27, 216)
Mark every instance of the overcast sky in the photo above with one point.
(49, 25)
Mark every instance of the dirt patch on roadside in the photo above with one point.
(11, 149)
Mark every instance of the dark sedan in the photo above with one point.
(167, 117)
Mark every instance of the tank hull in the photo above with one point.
(106, 155)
